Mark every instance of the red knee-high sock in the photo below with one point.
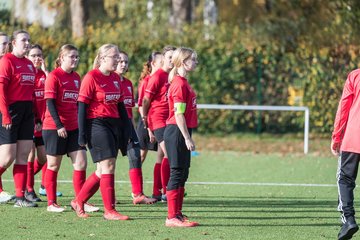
(19, 173)
(136, 180)
(37, 166)
(79, 178)
(43, 173)
(180, 200)
(172, 199)
(157, 180)
(165, 173)
(2, 170)
(89, 188)
(50, 185)
(30, 177)
(107, 189)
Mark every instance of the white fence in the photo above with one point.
(267, 108)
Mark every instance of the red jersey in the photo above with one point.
(128, 95)
(346, 126)
(156, 91)
(19, 75)
(181, 92)
(64, 88)
(102, 93)
(39, 101)
(141, 89)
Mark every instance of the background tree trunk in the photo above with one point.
(181, 12)
(77, 18)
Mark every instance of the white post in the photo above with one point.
(306, 131)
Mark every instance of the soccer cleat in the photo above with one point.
(142, 199)
(5, 197)
(163, 198)
(177, 222)
(32, 197)
(78, 209)
(348, 229)
(157, 197)
(114, 215)
(88, 207)
(23, 202)
(184, 218)
(55, 208)
(42, 192)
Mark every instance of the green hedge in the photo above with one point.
(229, 72)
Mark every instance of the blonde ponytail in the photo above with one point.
(172, 74)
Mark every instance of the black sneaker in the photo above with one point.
(32, 197)
(23, 202)
(348, 229)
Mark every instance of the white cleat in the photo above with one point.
(55, 208)
(5, 197)
(89, 208)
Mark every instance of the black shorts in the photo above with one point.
(144, 139)
(159, 134)
(55, 145)
(178, 154)
(103, 138)
(22, 123)
(39, 141)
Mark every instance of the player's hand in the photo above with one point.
(38, 127)
(7, 126)
(190, 144)
(335, 148)
(62, 132)
(144, 120)
(151, 136)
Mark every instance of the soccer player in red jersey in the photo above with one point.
(60, 125)
(35, 55)
(346, 145)
(102, 114)
(178, 141)
(4, 41)
(17, 78)
(155, 113)
(146, 142)
(133, 147)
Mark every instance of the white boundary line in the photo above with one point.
(225, 183)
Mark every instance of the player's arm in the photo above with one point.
(179, 109)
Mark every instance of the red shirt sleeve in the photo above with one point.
(87, 88)
(152, 86)
(5, 76)
(179, 94)
(51, 87)
(343, 110)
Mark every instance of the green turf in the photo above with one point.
(224, 211)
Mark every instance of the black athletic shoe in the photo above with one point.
(23, 202)
(32, 197)
(348, 229)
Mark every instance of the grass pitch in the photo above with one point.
(232, 195)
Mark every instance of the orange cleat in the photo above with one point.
(78, 209)
(177, 222)
(142, 199)
(184, 218)
(114, 215)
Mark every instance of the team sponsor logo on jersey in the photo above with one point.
(76, 83)
(70, 96)
(112, 97)
(30, 67)
(128, 102)
(116, 84)
(27, 79)
(42, 80)
(39, 94)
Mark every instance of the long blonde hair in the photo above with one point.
(102, 53)
(180, 55)
(63, 50)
